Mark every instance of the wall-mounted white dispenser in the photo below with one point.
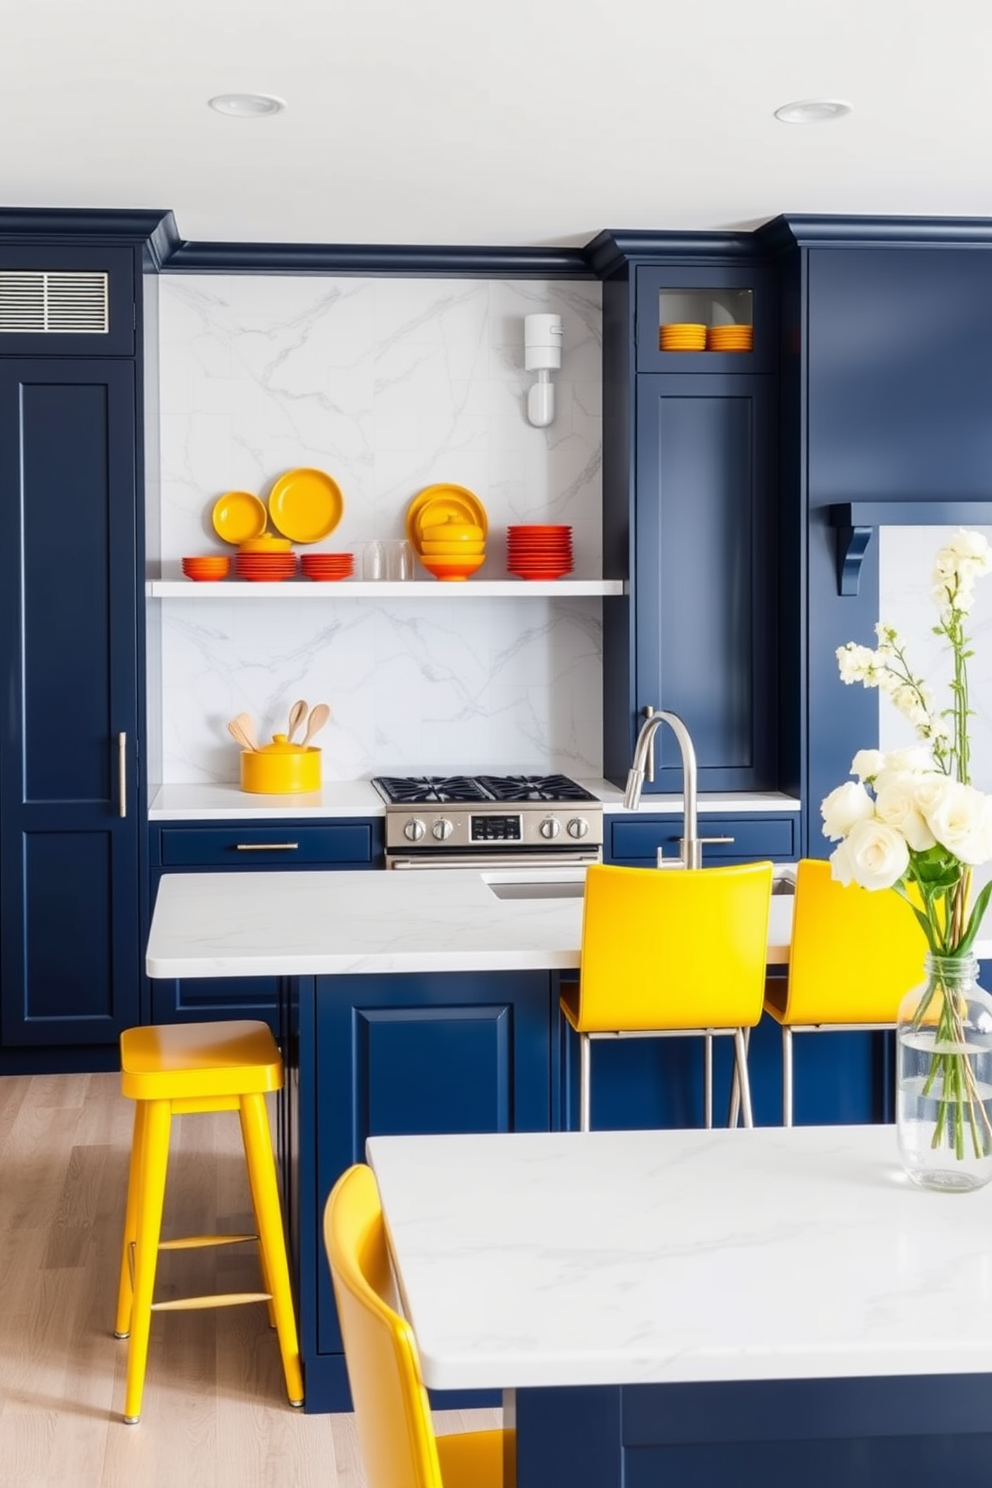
(542, 354)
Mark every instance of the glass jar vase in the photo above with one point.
(944, 1077)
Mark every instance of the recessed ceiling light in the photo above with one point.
(812, 111)
(246, 105)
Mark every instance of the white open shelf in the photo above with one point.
(236, 589)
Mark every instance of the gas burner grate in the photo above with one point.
(414, 790)
(533, 788)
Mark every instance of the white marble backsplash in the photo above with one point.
(389, 385)
(905, 582)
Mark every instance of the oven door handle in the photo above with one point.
(489, 861)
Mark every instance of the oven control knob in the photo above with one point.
(414, 829)
(550, 827)
(578, 827)
(442, 829)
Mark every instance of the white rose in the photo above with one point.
(960, 817)
(896, 805)
(915, 760)
(874, 856)
(928, 790)
(867, 763)
(844, 807)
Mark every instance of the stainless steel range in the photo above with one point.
(489, 821)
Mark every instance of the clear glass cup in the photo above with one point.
(373, 560)
(399, 560)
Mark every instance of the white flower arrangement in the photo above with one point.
(912, 815)
(912, 821)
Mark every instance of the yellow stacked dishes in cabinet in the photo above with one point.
(730, 338)
(452, 550)
(280, 768)
(682, 336)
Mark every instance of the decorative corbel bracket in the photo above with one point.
(855, 521)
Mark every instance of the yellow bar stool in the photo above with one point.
(182, 1069)
(855, 953)
(668, 954)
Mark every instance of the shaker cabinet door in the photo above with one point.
(705, 575)
(69, 810)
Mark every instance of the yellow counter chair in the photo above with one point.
(671, 952)
(181, 1069)
(392, 1410)
(855, 953)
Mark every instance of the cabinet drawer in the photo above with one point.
(255, 847)
(753, 839)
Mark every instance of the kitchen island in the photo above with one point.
(767, 1307)
(410, 1003)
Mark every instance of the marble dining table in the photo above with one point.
(684, 1309)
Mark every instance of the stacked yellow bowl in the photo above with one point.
(451, 549)
(682, 336)
(730, 338)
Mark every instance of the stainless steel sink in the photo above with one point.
(539, 890)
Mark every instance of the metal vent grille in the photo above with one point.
(53, 303)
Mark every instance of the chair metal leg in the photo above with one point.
(585, 1071)
(122, 1326)
(708, 1081)
(786, 1075)
(734, 1111)
(272, 1238)
(152, 1166)
(740, 1062)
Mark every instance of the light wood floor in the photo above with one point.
(215, 1412)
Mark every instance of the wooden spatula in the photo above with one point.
(318, 717)
(297, 713)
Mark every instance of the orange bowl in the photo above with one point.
(454, 568)
(206, 568)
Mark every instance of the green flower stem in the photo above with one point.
(957, 1096)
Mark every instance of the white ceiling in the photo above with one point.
(520, 122)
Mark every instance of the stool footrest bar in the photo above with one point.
(214, 1299)
(194, 1242)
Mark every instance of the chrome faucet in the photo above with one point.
(690, 843)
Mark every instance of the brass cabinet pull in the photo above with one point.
(267, 846)
(122, 774)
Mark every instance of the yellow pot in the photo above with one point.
(280, 768)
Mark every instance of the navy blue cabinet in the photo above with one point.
(439, 1052)
(704, 574)
(70, 633)
(633, 841)
(243, 847)
(691, 518)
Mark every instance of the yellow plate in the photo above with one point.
(238, 516)
(442, 502)
(305, 505)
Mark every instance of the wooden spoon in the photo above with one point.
(318, 717)
(237, 732)
(247, 729)
(297, 713)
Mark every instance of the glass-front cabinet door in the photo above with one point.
(694, 320)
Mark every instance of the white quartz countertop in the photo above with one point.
(665, 1256)
(306, 924)
(342, 798)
